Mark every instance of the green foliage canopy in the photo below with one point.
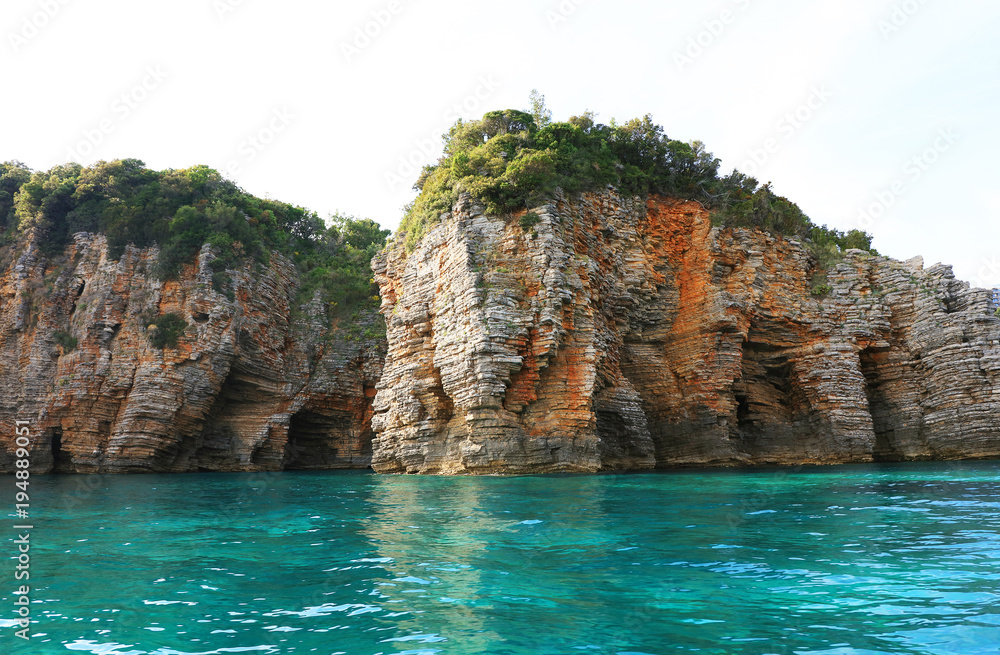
(511, 159)
(181, 210)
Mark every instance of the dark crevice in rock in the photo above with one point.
(261, 454)
(746, 434)
(773, 414)
(611, 429)
(623, 436)
(442, 408)
(881, 408)
(62, 460)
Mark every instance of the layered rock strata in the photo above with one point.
(246, 387)
(606, 332)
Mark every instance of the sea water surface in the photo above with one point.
(860, 560)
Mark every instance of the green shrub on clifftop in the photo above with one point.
(508, 163)
(182, 210)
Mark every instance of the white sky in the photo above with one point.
(332, 116)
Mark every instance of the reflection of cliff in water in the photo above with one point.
(466, 543)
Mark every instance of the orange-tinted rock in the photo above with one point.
(630, 333)
(244, 389)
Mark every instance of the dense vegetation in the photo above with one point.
(511, 159)
(180, 210)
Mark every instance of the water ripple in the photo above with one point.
(828, 561)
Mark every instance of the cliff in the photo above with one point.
(597, 332)
(247, 387)
(607, 332)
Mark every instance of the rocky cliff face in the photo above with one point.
(599, 332)
(626, 333)
(246, 388)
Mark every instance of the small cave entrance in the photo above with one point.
(769, 406)
(773, 413)
(242, 404)
(882, 410)
(62, 460)
(326, 441)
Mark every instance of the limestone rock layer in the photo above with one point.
(246, 388)
(607, 332)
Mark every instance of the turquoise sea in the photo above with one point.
(857, 560)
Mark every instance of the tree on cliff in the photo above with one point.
(13, 175)
(541, 113)
(510, 160)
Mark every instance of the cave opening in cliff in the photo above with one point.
(744, 422)
(882, 411)
(323, 441)
(62, 460)
(772, 410)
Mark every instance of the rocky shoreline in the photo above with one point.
(605, 333)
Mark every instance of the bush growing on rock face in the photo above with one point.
(66, 340)
(338, 266)
(166, 331)
(529, 220)
(13, 175)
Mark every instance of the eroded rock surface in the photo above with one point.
(622, 333)
(247, 387)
